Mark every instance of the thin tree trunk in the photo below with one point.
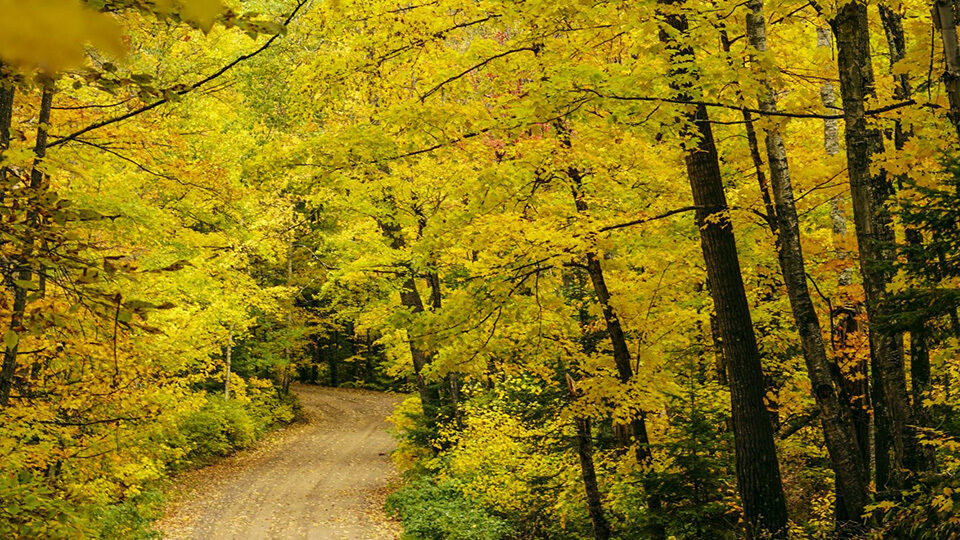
(7, 92)
(601, 528)
(583, 439)
(874, 229)
(226, 379)
(754, 146)
(436, 301)
(24, 273)
(828, 96)
(287, 352)
(920, 380)
(758, 471)
(621, 353)
(838, 428)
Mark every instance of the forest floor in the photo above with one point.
(324, 477)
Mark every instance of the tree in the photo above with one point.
(758, 470)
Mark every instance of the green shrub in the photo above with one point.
(432, 511)
(131, 519)
(239, 427)
(219, 428)
(205, 434)
(30, 509)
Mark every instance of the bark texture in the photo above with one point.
(945, 19)
(838, 427)
(7, 91)
(875, 235)
(758, 471)
(601, 527)
(919, 353)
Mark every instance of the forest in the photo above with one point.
(655, 269)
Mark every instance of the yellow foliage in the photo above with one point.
(50, 35)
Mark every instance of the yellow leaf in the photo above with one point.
(203, 13)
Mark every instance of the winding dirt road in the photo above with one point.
(323, 479)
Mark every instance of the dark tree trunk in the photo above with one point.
(453, 384)
(945, 19)
(333, 366)
(839, 432)
(920, 383)
(410, 299)
(601, 528)
(429, 393)
(637, 430)
(919, 353)
(583, 439)
(228, 366)
(758, 471)
(851, 372)
(7, 91)
(875, 235)
(24, 270)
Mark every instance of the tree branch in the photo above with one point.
(666, 214)
(872, 112)
(181, 91)
(534, 49)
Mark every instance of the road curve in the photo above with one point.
(321, 479)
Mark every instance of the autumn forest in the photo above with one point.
(583, 269)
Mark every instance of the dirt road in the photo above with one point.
(322, 479)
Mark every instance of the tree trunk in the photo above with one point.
(758, 471)
(875, 234)
(24, 272)
(226, 378)
(828, 96)
(637, 429)
(919, 353)
(429, 393)
(7, 91)
(436, 300)
(410, 299)
(601, 528)
(838, 428)
(944, 19)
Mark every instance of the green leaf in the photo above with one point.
(10, 339)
